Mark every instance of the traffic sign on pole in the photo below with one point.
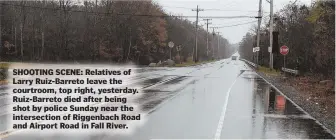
(256, 49)
(171, 44)
(284, 50)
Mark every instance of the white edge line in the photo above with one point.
(318, 122)
(222, 117)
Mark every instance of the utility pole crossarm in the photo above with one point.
(197, 9)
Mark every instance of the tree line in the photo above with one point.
(308, 31)
(100, 31)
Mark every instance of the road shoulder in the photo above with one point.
(314, 108)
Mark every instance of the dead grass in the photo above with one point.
(311, 90)
(268, 71)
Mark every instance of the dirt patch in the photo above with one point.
(312, 90)
(314, 96)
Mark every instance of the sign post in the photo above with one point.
(170, 45)
(256, 49)
(178, 48)
(284, 51)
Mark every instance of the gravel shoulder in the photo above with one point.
(307, 96)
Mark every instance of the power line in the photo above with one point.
(211, 9)
(251, 15)
(236, 24)
(125, 14)
(233, 25)
(218, 26)
(178, 7)
(228, 10)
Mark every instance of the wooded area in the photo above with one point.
(308, 31)
(101, 30)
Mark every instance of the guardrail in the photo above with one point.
(250, 63)
(292, 71)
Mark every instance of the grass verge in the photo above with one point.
(268, 71)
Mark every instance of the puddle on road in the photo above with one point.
(151, 98)
(281, 115)
(176, 81)
(151, 104)
(152, 95)
(3, 94)
(3, 87)
(153, 80)
(149, 82)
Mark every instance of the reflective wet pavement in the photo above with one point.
(223, 99)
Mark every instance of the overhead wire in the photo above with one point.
(233, 22)
(211, 9)
(244, 23)
(125, 14)
(236, 24)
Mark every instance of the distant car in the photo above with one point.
(234, 57)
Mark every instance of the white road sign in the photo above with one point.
(256, 49)
(269, 49)
(171, 44)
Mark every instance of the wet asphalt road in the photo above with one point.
(219, 100)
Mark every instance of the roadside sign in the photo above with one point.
(178, 48)
(284, 50)
(256, 49)
(171, 44)
(269, 49)
(280, 102)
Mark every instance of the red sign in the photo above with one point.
(280, 102)
(284, 50)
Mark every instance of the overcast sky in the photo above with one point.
(225, 8)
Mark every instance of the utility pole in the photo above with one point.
(207, 23)
(271, 34)
(258, 31)
(218, 39)
(213, 47)
(0, 25)
(196, 34)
